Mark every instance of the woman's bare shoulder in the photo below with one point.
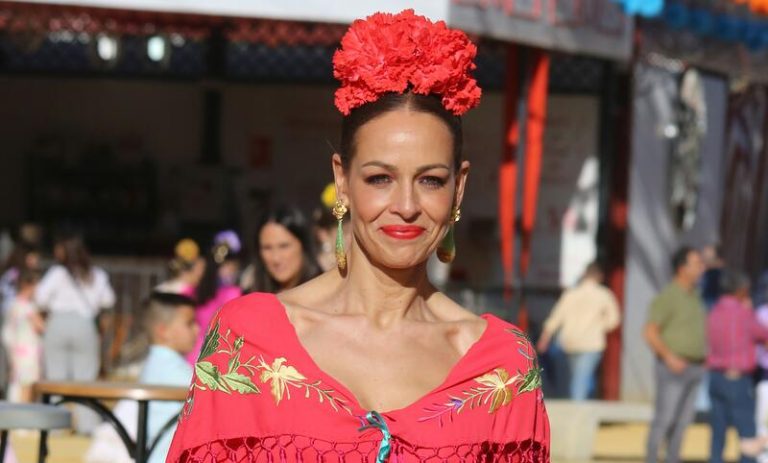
(467, 326)
(305, 303)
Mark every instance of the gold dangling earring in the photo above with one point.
(446, 252)
(339, 211)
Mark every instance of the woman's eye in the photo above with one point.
(434, 182)
(377, 179)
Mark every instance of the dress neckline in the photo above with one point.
(354, 402)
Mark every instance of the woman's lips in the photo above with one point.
(403, 232)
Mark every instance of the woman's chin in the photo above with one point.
(402, 262)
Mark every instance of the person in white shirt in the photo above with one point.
(582, 318)
(73, 292)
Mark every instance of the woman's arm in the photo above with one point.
(46, 289)
(612, 314)
(106, 293)
(553, 323)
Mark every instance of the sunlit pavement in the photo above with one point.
(616, 443)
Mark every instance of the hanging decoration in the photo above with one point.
(748, 30)
(645, 8)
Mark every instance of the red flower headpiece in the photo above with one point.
(390, 53)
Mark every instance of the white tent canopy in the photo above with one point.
(333, 11)
(601, 30)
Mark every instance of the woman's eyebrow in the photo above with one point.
(393, 168)
(380, 164)
(423, 169)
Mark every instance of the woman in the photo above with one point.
(73, 292)
(218, 284)
(369, 362)
(284, 253)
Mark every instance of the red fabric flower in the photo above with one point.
(391, 53)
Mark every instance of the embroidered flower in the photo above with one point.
(392, 53)
(278, 375)
(496, 388)
(500, 384)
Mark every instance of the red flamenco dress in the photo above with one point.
(257, 396)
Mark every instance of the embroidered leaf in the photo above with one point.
(496, 403)
(240, 383)
(211, 343)
(234, 363)
(531, 381)
(209, 375)
(188, 405)
(239, 343)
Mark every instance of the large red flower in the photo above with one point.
(392, 53)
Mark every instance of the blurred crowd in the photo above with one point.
(53, 315)
(707, 326)
(708, 331)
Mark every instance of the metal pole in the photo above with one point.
(42, 451)
(522, 123)
(141, 435)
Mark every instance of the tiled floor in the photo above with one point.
(614, 444)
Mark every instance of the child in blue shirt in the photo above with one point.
(170, 322)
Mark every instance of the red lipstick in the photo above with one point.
(403, 232)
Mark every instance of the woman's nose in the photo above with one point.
(406, 203)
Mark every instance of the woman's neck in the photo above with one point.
(386, 296)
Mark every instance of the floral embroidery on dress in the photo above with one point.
(497, 388)
(280, 376)
(239, 375)
(532, 377)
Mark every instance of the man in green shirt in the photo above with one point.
(675, 331)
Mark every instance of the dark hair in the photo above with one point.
(76, 260)
(731, 281)
(209, 283)
(28, 276)
(680, 258)
(323, 218)
(297, 224)
(160, 308)
(430, 104)
(18, 257)
(594, 269)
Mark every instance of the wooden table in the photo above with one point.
(91, 395)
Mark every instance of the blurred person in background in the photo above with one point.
(583, 317)
(219, 283)
(73, 292)
(22, 257)
(284, 256)
(186, 270)
(675, 332)
(733, 331)
(170, 322)
(22, 330)
(710, 280)
(761, 378)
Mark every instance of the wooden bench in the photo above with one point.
(574, 424)
(91, 394)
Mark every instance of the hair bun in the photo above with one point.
(395, 53)
(328, 197)
(187, 250)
